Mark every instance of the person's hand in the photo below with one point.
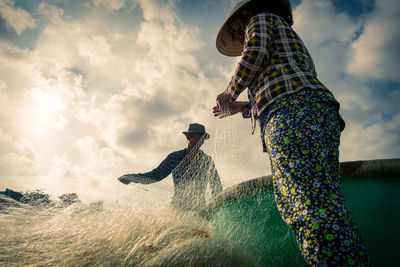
(125, 179)
(222, 100)
(230, 109)
(221, 110)
(225, 107)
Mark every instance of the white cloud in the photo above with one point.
(330, 38)
(318, 23)
(16, 18)
(375, 141)
(96, 48)
(18, 158)
(116, 96)
(107, 84)
(4, 102)
(110, 4)
(51, 12)
(170, 41)
(158, 10)
(13, 58)
(376, 52)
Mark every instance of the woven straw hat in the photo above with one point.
(225, 44)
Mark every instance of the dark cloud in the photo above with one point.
(26, 40)
(386, 96)
(76, 71)
(159, 108)
(141, 117)
(133, 138)
(355, 8)
(149, 111)
(5, 31)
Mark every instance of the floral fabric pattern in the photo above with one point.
(302, 139)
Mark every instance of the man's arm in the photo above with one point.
(156, 175)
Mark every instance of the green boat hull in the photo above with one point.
(247, 215)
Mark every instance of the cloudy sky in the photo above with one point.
(91, 90)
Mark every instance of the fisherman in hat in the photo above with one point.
(300, 128)
(192, 170)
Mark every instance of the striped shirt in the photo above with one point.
(274, 63)
(191, 175)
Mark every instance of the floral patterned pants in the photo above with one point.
(302, 140)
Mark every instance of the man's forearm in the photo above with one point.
(140, 178)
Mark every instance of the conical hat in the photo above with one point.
(225, 44)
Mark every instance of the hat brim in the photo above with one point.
(206, 135)
(225, 44)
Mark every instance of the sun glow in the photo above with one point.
(44, 111)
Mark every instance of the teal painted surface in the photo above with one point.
(254, 225)
(374, 205)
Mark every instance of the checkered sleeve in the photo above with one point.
(254, 56)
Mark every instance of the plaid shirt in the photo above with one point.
(274, 63)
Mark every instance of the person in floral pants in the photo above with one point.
(300, 128)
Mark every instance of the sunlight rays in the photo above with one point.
(44, 111)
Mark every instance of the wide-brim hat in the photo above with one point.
(196, 128)
(225, 44)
